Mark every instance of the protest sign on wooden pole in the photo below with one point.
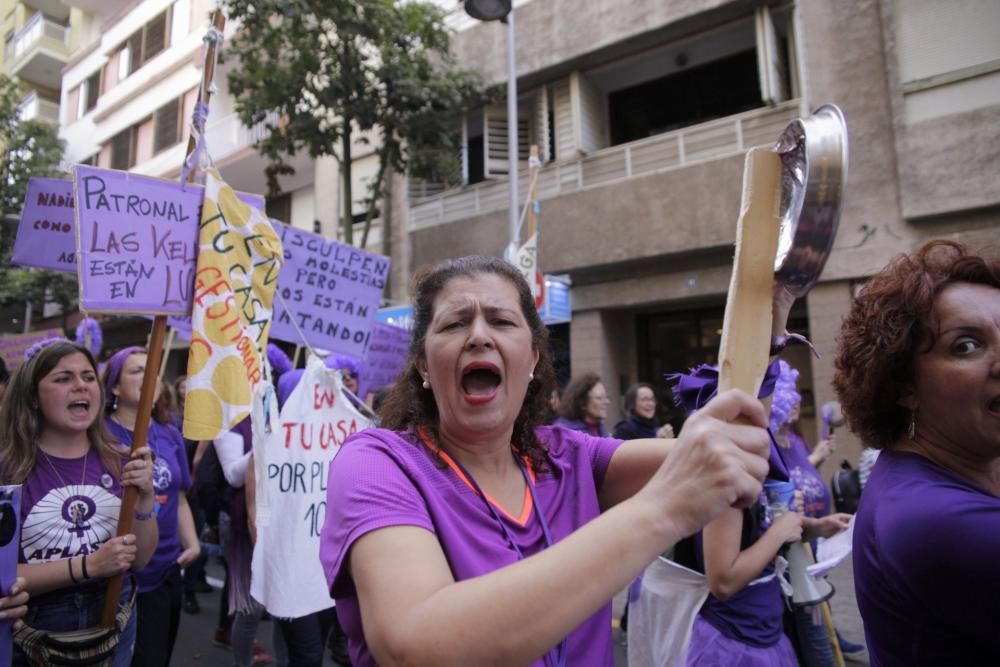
(151, 375)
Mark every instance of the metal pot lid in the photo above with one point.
(814, 157)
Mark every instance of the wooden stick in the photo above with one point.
(171, 335)
(295, 357)
(534, 191)
(746, 327)
(151, 375)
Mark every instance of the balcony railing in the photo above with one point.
(34, 30)
(721, 138)
(34, 107)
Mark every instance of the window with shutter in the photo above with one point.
(122, 145)
(155, 39)
(167, 125)
(495, 139)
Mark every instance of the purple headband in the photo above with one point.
(41, 345)
(693, 390)
(113, 370)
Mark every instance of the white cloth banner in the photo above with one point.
(291, 467)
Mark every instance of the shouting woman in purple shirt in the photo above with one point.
(918, 375)
(464, 533)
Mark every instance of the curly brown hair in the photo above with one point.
(408, 406)
(888, 325)
(576, 395)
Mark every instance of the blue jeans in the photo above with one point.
(64, 611)
(814, 643)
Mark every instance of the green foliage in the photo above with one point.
(31, 148)
(330, 69)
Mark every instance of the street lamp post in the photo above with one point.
(500, 10)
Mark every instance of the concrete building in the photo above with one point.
(643, 110)
(39, 37)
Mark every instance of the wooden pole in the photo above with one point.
(151, 375)
(295, 357)
(746, 327)
(534, 189)
(171, 335)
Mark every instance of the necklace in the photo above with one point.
(559, 659)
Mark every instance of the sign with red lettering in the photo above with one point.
(291, 465)
(137, 241)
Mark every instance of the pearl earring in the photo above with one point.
(912, 426)
(531, 376)
(427, 383)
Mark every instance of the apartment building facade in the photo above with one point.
(39, 38)
(643, 110)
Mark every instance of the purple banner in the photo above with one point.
(45, 237)
(10, 544)
(137, 241)
(386, 357)
(332, 292)
(12, 347)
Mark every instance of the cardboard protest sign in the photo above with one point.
(137, 239)
(386, 357)
(332, 292)
(12, 346)
(46, 237)
(10, 544)
(239, 257)
(292, 464)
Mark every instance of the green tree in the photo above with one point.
(331, 69)
(31, 148)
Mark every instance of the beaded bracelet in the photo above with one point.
(144, 516)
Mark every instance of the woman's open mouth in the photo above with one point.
(79, 408)
(480, 382)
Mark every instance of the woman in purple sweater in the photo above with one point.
(918, 375)
(463, 533)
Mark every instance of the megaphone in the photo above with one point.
(833, 417)
(807, 590)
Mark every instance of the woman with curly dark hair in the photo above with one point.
(467, 533)
(918, 376)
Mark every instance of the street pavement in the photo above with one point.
(194, 642)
